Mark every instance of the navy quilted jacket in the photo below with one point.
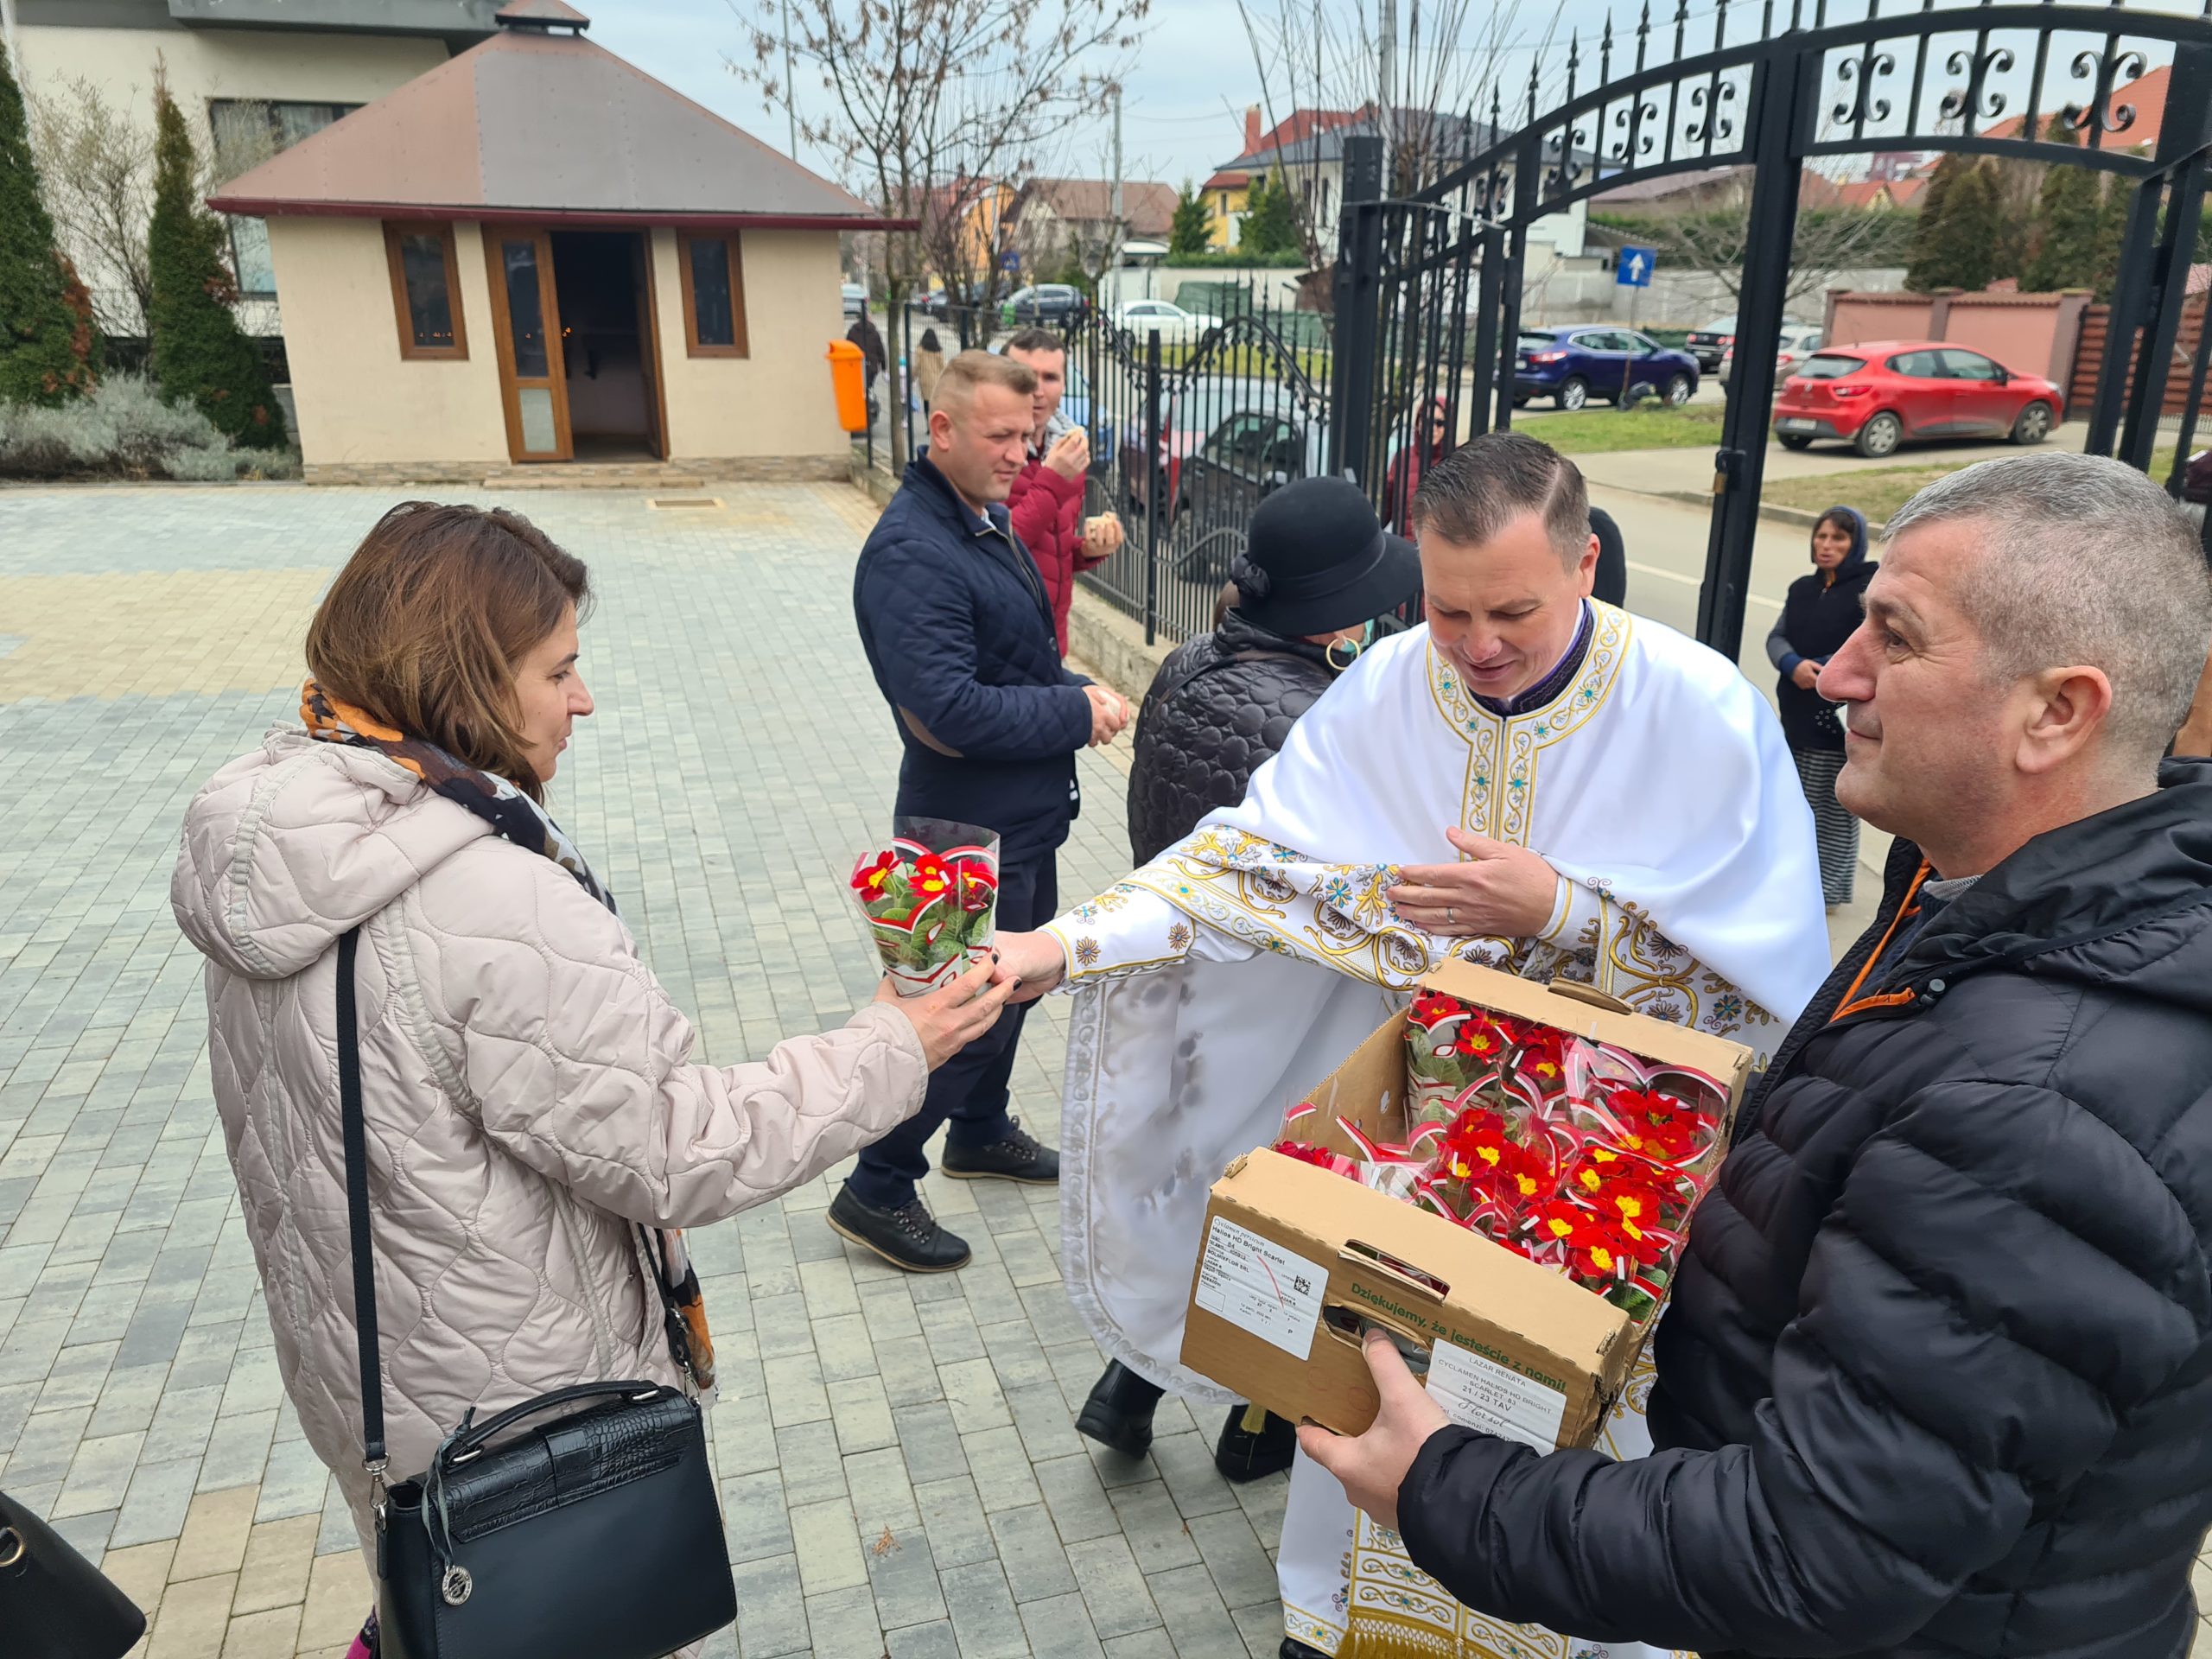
(1937, 1376)
(954, 620)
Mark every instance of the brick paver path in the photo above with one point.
(899, 1467)
(899, 1464)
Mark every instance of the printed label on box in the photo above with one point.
(1258, 1286)
(1480, 1394)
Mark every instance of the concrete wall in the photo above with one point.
(1676, 299)
(360, 402)
(776, 401)
(201, 64)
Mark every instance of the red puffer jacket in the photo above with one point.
(1047, 514)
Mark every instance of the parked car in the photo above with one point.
(1251, 454)
(1573, 365)
(1709, 343)
(1054, 305)
(1188, 414)
(1136, 319)
(1879, 394)
(1792, 347)
(855, 302)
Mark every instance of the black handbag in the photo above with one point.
(54, 1603)
(596, 1536)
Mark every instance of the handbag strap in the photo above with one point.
(356, 1210)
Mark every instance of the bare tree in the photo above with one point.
(96, 165)
(1715, 237)
(921, 89)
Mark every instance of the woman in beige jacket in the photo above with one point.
(529, 1090)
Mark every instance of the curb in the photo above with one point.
(1802, 518)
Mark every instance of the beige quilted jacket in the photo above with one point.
(528, 1091)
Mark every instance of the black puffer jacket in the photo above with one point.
(1220, 705)
(1937, 1374)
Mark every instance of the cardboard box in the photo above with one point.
(1295, 1257)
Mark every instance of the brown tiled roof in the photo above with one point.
(1147, 208)
(529, 125)
(2145, 95)
(541, 12)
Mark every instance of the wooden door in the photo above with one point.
(641, 266)
(526, 316)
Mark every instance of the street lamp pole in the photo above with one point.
(791, 106)
(1113, 241)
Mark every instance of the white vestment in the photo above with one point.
(1219, 983)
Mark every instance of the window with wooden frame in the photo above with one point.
(713, 294)
(426, 290)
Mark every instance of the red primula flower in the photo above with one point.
(1657, 1126)
(1475, 1141)
(930, 880)
(1432, 1008)
(1480, 1038)
(1517, 1180)
(979, 888)
(1595, 1249)
(1542, 1057)
(869, 878)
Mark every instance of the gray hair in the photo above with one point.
(2086, 561)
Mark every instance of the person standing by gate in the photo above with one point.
(958, 634)
(1046, 501)
(1822, 611)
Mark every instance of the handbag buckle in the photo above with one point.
(376, 1466)
(12, 1547)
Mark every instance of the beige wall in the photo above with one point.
(359, 400)
(775, 402)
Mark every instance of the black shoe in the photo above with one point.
(1018, 1157)
(1294, 1649)
(1242, 1455)
(1118, 1413)
(907, 1237)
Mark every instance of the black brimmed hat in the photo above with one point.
(1317, 559)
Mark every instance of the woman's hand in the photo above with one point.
(1035, 959)
(1806, 674)
(949, 1018)
(1501, 891)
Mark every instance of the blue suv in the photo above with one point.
(1573, 365)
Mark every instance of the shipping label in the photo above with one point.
(1258, 1286)
(1480, 1394)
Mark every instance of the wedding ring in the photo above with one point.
(1451, 917)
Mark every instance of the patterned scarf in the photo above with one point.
(517, 819)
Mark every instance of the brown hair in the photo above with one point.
(1488, 481)
(424, 627)
(972, 369)
(1035, 340)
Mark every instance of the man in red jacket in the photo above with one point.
(1046, 503)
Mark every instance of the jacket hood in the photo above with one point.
(287, 847)
(2124, 896)
(1854, 571)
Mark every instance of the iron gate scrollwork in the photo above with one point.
(1774, 87)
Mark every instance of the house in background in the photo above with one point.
(1229, 190)
(534, 253)
(1054, 219)
(251, 77)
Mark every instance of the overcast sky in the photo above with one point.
(1186, 86)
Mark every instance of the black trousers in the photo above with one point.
(969, 1092)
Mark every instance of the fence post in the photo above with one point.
(1358, 303)
(1155, 486)
(1488, 288)
(1785, 92)
(2131, 296)
(2181, 135)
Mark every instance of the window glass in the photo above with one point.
(247, 133)
(713, 316)
(1916, 365)
(1282, 450)
(525, 319)
(1969, 365)
(429, 303)
(1830, 365)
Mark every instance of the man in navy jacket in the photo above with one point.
(958, 632)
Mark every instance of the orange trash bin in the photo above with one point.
(849, 379)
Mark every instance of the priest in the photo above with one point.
(1533, 780)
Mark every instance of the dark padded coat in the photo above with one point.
(958, 629)
(1208, 721)
(1936, 1375)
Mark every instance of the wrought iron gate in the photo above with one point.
(1985, 79)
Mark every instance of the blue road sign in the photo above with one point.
(1010, 260)
(1633, 268)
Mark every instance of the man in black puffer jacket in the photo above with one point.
(1936, 1373)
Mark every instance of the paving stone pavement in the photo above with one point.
(899, 1472)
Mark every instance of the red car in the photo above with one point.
(1878, 394)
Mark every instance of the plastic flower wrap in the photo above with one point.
(932, 900)
(1578, 1155)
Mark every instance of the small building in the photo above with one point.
(535, 252)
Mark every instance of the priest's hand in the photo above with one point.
(1035, 959)
(1499, 892)
(1372, 1466)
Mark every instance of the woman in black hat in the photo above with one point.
(1317, 580)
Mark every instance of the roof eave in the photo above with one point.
(574, 218)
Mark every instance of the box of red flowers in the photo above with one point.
(1501, 1178)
